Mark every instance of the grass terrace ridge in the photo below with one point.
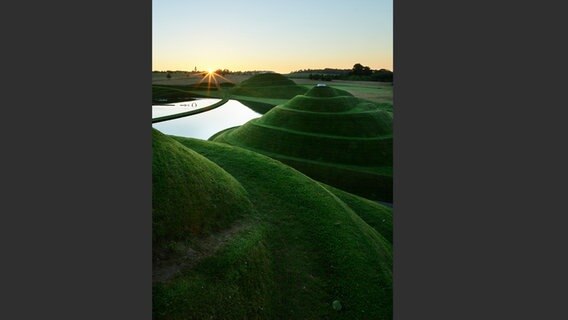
(330, 136)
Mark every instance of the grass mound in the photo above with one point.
(330, 136)
(374, 214)
(191, 196)
(322, 91)
(268, 85)
(304, 247)
(319, 104)
(317, 147)
(267, 80)
(354, 124)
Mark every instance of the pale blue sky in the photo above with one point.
(277, 35)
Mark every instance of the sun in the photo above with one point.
(212, 76)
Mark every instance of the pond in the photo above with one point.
(202, 125)
(180, 107)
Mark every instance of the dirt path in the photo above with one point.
(165, 270)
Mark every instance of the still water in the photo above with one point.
(180, 107)
(202, 125)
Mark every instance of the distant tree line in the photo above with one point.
(323, 71)
(227, 71)
(358, 72)
(218, 71)
(176, 71)
(222, 71)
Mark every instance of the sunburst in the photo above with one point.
(211, 75)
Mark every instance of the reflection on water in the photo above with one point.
(204, 125)
(180, 107)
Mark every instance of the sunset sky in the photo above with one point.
(275, 35)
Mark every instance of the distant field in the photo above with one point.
(179, 78)
(378, 92)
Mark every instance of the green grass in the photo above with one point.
(260, 92)
(370, 123)
(267, 80)
(326, 92)
(273, 91)
(264, 91)
(329, 135)
(369, 182)
(360, 151)
(381, 94)
(304, 248)
(268, 85)
(235, 283)
(191, 196)
(322, 104)
(376, 92)
(179, 93)
(161, 94)
(374, 214)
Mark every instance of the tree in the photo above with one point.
(358, 69)
(383, 75)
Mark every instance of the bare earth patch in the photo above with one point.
(165, 270)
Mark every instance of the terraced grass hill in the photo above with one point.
(300, 251)
(331, 136)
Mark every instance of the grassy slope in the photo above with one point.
(260, 99)
(171, 93)
(369, 182)
(360, 151)
(268, 85)
(361, 124)
(306, 249)
(377, 92)
(263, 91)
(329, 135)
(191, 196)
(179, 93)
(374, 214)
